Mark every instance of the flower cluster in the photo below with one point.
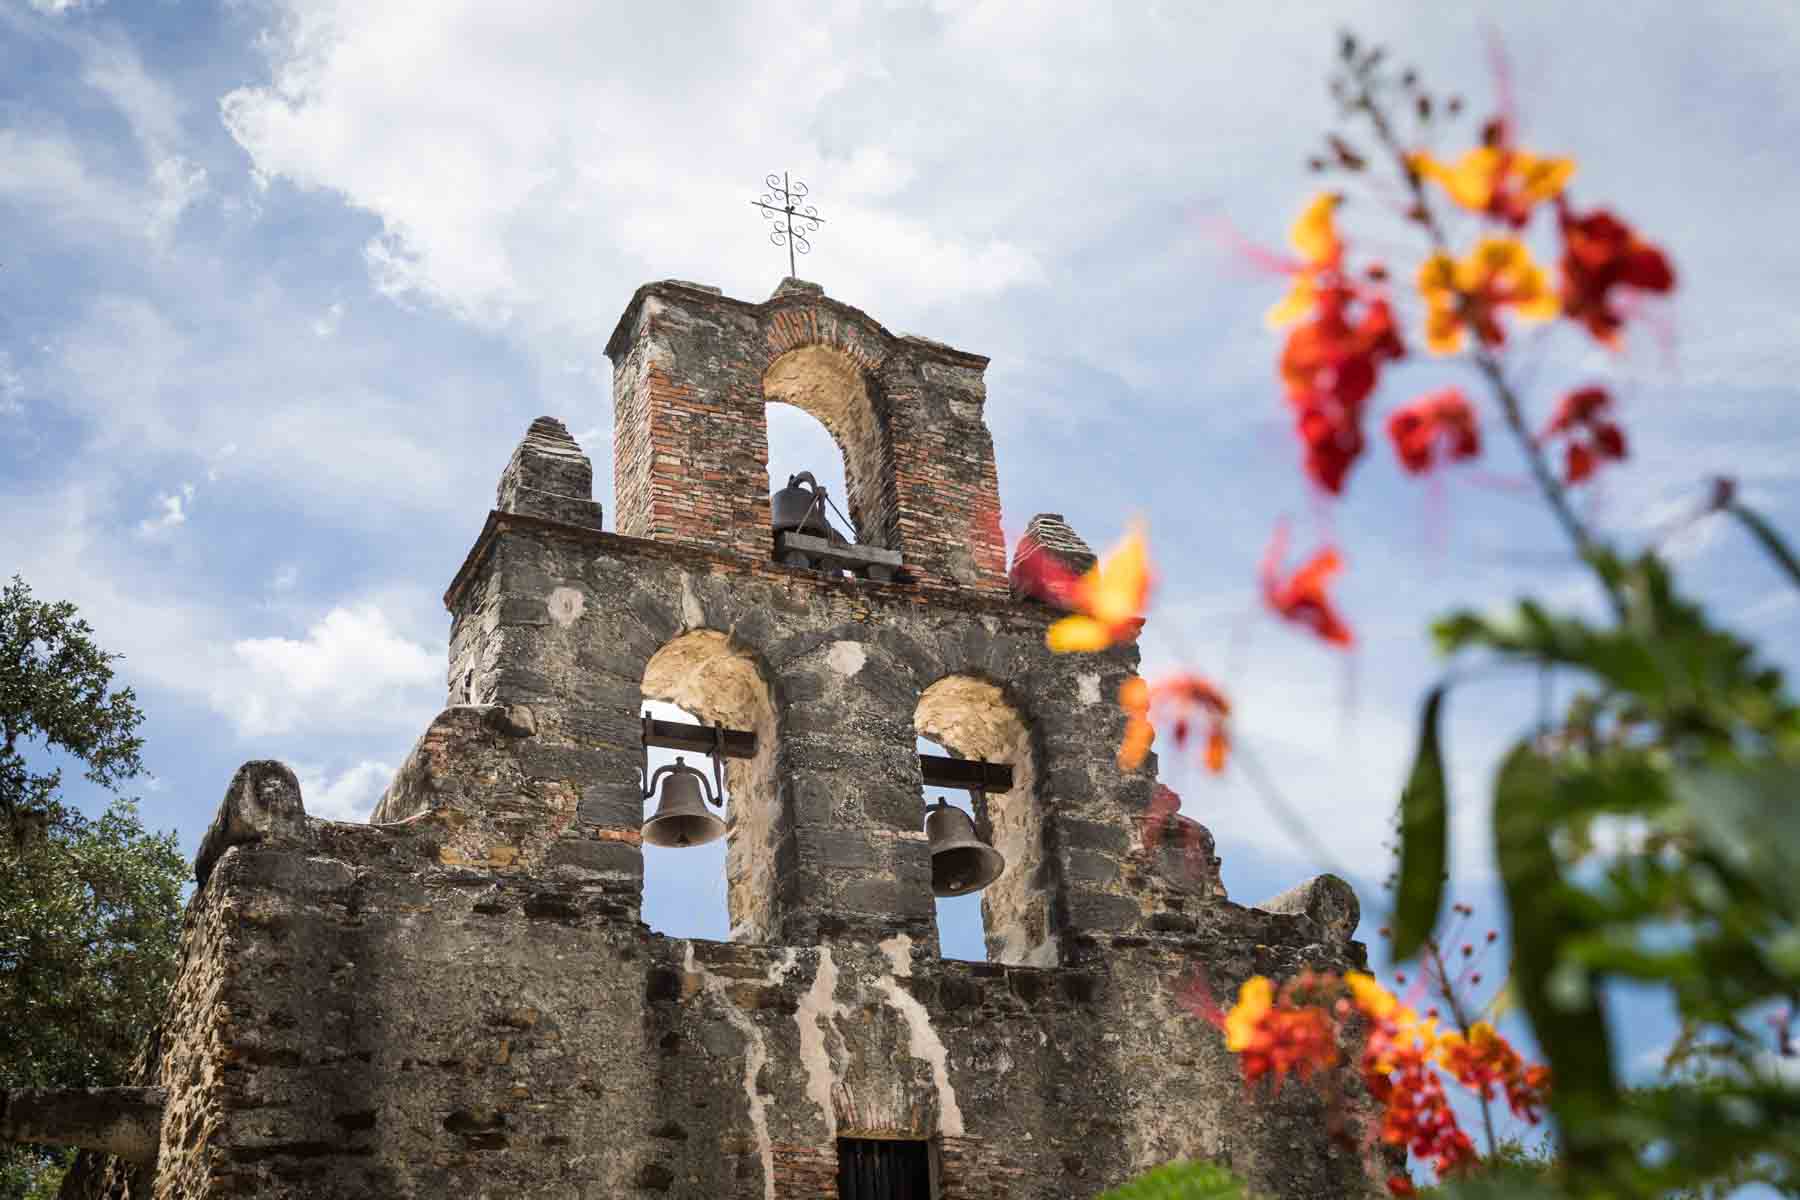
(1182, 698)
(1298, 1029)
(1496, 178)
(1275, 1035)
(1332, 359)
(1472, 292)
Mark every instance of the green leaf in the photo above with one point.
(1424, 836)
(1560, 995)
(1771, 541)
(1182, 1181)
(1749, 817)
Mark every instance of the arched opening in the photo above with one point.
(704, 676)
(830, 387)
(972, 718)
(684, 887)
(962, 933)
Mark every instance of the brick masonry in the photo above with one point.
(460, 998)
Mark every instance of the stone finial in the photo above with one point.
(1049, 534)
(123, 1121)
(796, 287)
(261, 804)
(1328, 900)
(549, 477)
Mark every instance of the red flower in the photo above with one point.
(1401, 1185)
(1275, 1036)
(1601, 253)
(1329, 368)
(1592, 437)
(1301, 596)
(1440, 422)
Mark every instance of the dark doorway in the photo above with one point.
(883, 1169)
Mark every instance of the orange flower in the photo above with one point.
(1278, 1038)
(1314, 237)
(1301, 596)
(1484, 1059)
(1498, 273)
(1186, 695)
(1109, 600)
(1497, 179)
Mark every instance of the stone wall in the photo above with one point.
(366, 1017)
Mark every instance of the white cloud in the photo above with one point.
(56, 8)
(177, 183)
(173, 511)
(350, 796)
(12, 387)
(327, 325)
(351, 668)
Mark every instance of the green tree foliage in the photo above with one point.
(1182, 1181)
(90, 908)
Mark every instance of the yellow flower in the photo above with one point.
(1314, 237)
(1375, 1001)
(1498, 180)
(1255, 999)
(1109, 599)
(1498, 273)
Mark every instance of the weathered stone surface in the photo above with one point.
(262, 803)
(121, 1121)
(1327, 900)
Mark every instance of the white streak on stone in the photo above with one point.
(566, 605)
(817, 1010)
(756, 1055)
(923, 1042)
(846, 658)
(692, 614)
(1087, 688)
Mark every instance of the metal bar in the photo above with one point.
(942, 771)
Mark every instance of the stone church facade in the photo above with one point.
(459, 999)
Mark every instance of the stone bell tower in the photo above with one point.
(459, 998)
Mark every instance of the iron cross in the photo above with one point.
(786, 232)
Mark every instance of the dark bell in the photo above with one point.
(960, 862)
(681, 816)
(797, 509)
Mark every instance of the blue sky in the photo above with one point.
(284, 282)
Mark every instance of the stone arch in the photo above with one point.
(709, 674)
(834, 386)
(975, 718)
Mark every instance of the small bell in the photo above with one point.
(961, 862)
(681, 817)
(796, 509)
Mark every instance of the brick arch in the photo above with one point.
(978, 718)
(835, 387)
(717, 678)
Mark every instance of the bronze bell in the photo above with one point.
(796, 509)
(961, 863)
(681, 816)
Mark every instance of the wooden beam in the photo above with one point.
(942, 771)
(939, 770)
(698, 739)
